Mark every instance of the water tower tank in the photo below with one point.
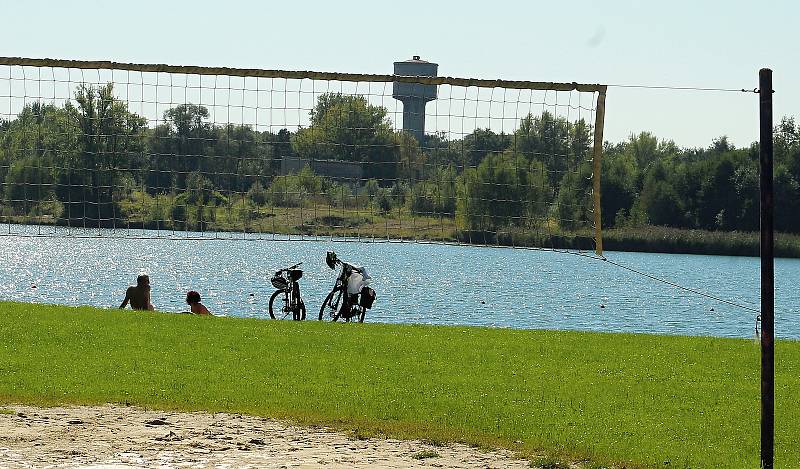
(414, 95)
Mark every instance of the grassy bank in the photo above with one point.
(639, 400)
(680, 241)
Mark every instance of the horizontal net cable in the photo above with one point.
(259, 73)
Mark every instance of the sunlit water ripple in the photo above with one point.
(416, 283)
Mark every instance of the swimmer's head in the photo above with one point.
(192, 297)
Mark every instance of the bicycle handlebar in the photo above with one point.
(291, 267)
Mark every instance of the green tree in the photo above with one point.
(643, 147)
(659, 201)
(573, 203)
(482, 142)
(505, 190)
(277, 146)
(618, 187)
(716, 207)
(435, 196)
(182, 144)
(441, 151)
(787, 200)
(38, 150)
(746, 183)
(25, 184)
(348, 128)
(239, 156)
(411, 166)
(111, 137)
(561, 145)
(787, 175)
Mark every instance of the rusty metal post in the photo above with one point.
(767, 273)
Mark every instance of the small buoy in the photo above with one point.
(252, 294)
(33, 286)
(602, 305)
(712, 309)
(483, 302)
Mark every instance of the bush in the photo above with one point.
(338, 195)
(294, 190)
(49, 209)
(257, 194)
(383, 201)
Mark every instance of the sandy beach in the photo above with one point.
(127, 437)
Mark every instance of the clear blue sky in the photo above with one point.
(679, 43)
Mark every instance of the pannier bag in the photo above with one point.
(279, 282)
(367, 297)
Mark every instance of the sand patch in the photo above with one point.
(117, 437)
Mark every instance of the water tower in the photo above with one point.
(414, 95)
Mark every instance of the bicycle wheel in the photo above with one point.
(280, 310)
(331, 305)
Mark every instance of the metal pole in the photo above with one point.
(767, 274)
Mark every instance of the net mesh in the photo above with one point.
(101, 149)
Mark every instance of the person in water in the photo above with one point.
(139, 296)
(193, 300)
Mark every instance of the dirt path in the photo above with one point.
(126, 437)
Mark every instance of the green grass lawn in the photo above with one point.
(637, 400)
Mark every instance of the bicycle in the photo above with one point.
(350, 290)
(285, 280)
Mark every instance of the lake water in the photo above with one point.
(415, 283)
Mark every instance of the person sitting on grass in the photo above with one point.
(193, 300)
(139, 296)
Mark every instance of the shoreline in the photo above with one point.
(645, 239)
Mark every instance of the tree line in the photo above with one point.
(94, 160)
(647, 181)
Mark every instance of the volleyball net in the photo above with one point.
(143, 150)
